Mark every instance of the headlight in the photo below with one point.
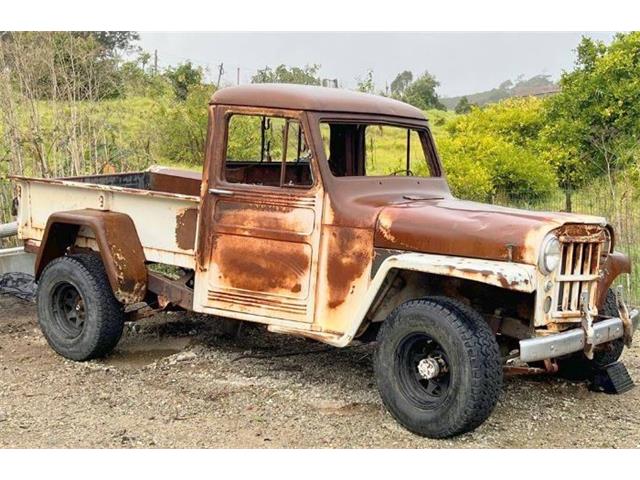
(550, 254)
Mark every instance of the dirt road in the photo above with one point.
(173, 382)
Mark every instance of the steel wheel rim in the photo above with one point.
(424, 393)
(69, 311)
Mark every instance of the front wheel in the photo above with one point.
(438, 367)
(77, 311)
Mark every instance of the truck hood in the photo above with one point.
(469, 229)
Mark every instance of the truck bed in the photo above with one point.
(163, 204)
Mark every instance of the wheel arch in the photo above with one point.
(513, 277)
(118, 245)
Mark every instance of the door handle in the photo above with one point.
(220, 192)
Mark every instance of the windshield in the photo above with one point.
(368, 149)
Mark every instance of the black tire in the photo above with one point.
(77, 311)
(465, 392)
(579, 367)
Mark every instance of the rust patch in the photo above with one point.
(348, 257)
(486, 275)
(171, 291)
(581, 233)
(505, 282)
(186, 222)
(262, 265)
(171, 180)
(468, 229)
(265, 217)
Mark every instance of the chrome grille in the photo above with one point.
(578, 273)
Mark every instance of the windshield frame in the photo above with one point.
(432, 158)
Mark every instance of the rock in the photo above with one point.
(3, 417)
(185, 356)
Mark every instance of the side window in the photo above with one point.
(269, 151)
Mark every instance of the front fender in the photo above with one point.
(508, 275)
(616, 264)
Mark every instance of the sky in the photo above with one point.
(463, 62)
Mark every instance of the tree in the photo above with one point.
(118, 40)
(463, 106)
(421, 93)
(596, 116)
(594, 121)
(137, 79)
(77, 55)
(183, 127)
(307, 75)
(111, 41)
(184, 78)
(366, 84)
(50, 86)
(400, 83)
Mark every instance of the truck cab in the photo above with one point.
(326, 214)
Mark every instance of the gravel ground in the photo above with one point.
(174, 382)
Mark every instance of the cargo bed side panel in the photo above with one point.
(166, 224)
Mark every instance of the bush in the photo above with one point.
(466, 175)
(518, 120)
(183, 127)
(498, 149)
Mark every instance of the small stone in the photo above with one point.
(185, 356)
(3, 417)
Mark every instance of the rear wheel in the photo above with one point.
(438, 367)
(77, 311)
(578, 367)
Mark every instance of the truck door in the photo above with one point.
(260, 229)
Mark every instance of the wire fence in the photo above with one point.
(623, 214)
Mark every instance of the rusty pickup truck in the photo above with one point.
(326, 214)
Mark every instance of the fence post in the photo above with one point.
(568, 206)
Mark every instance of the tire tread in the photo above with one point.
(110, 312)
(479, 340)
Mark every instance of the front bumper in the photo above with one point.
(559, 344)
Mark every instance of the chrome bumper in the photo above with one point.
(559, 344)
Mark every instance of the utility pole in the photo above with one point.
(220, 72)
(238, 76)
(155, 62)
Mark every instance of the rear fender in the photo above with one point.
(118, 244)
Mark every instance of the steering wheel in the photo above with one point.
(403, 170)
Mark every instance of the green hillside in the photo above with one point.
(536, 85)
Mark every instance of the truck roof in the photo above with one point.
(319, 99)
